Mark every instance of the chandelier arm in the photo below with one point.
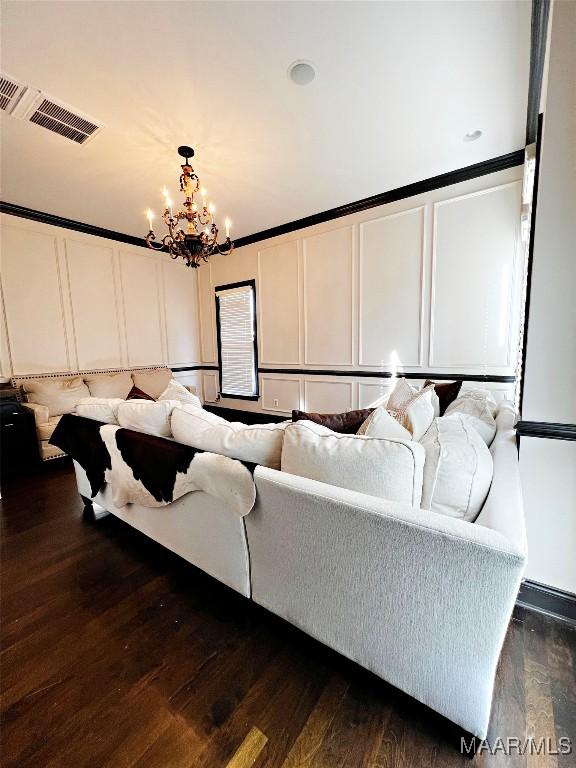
(226, 248)
(151, 242)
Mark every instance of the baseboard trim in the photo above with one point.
(554, 431)
(553, 602)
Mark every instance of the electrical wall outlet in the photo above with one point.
(276, 402)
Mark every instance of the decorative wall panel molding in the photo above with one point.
(78, 302)
(282, 394)
(181, 313)
(392, 252)
(475, 278)
(34, 291)
(328, 288)
(328, 396)
(351, 298)
(94, 294)
(210, 387)
(279, 304)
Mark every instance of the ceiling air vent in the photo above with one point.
(63, 120)
(11, 92)
(25, 103)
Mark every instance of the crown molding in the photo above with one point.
(493, 165)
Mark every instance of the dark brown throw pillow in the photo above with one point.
(447, 392)
(348, 423)
(137, 394)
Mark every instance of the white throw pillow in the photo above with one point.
(152, 382)
(109, 385)
(380, 423)
(147, 416)
(256, 443)
(103, 409)
(458, 468)
(411, 407)
(482, 395)
(389, 469)
(58, 395)
(177, 391)
(478, 412)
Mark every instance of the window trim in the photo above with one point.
(227, 287)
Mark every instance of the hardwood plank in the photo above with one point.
(309, 741)
(116, 653)
(248, 752)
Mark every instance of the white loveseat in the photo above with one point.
(420, 599)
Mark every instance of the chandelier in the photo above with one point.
(200, 239)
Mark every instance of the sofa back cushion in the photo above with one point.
(58, 395)
(109, 385)
(147, 416)
(478, 411)
(388, 468)
(103, 409)
(255, 443)
(177, 391)
(347, 422)
(152, 382)
(458, 468)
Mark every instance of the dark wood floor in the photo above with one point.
(117, 653)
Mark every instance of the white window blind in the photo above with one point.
(237, 348)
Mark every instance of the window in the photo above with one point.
(237, 345)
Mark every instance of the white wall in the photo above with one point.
(77, 302)
(549, 466)
(429, 283)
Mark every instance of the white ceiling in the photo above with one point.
(398, 86)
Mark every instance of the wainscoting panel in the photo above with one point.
(278, 298)
(391, 283)
(210, 387)
(328, 396)
(280, 394)
(141, 298)
(34, 289)
(474, 278)
(372, 395)
(328, 298)
(181, 308)
(95, 306)
(190, 377)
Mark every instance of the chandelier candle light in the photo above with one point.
(200, 240)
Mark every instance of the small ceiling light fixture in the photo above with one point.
(200, 240)
(301, 72)
(473, 135)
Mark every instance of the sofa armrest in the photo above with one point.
(421, 599)
(41, 412)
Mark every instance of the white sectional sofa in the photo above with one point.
(49, 396)
(421, 599)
